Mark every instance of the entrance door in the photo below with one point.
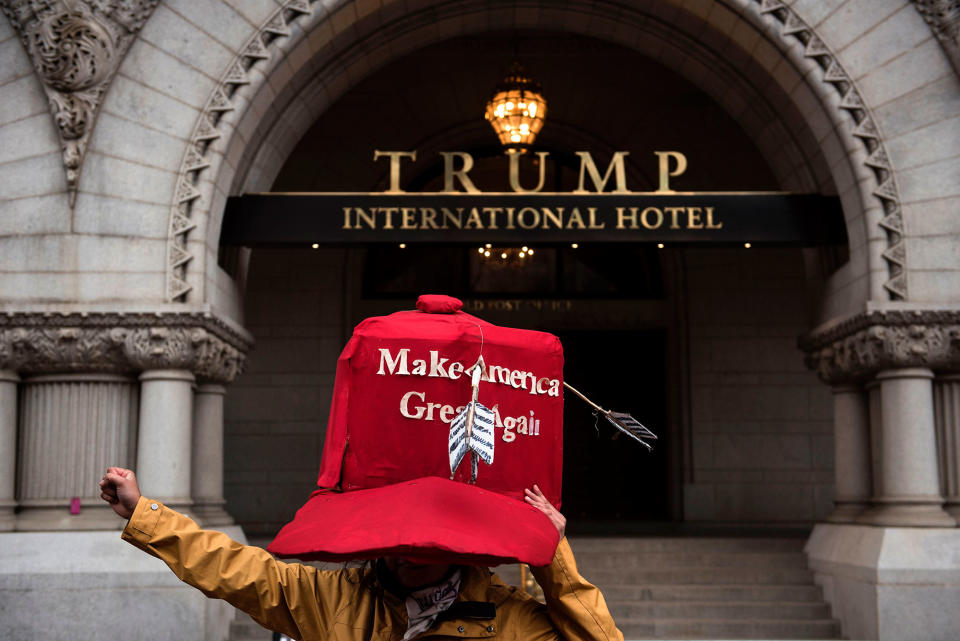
(608, 479)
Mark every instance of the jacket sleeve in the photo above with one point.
(576, 607)
(294, 599)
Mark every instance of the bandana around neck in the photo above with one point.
(426, 604)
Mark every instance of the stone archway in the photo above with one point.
(810, 75)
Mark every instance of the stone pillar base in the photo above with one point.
(907, 512)
(889, 583)
(846, 511)
(212, 514)
(74, 585)
(953, 509)
(96, 517)
(8, 519)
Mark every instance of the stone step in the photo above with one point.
(728, 629)
(693, 544)
(591, 561)
(724, 610)
(606, 578)
(717, 592)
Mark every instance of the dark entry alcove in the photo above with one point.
(605, 477)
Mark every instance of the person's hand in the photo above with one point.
(536, 498)
(119, 488)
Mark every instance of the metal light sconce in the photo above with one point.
(517, 110)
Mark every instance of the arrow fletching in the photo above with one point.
(471, 431)
(623, 422)
(631, 427)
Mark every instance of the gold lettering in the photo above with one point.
(646, 223)
(673, 211)
(449, 173)
(593, 219)
(510, 218)
(556, 217)
(448, 217)
(694, 218)
(492, 213)
(473, 220)
(395, 158)
(665, 172)
(407, 220)
(346, 218)
(515, 172)
(428, 218)
(521, 218)
(575, 219)
(369, 218)
(388, 213)
(623, 216)
(710, 224)
(616, 167)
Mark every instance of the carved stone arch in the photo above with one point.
(287, 45)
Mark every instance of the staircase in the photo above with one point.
(707, 588)
(689, 588)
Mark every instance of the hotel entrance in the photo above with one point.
(661, 314)
(681, 309)
(609, 482)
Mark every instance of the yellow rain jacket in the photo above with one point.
(309, 604)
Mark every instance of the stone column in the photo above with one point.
(851, 429)
(876, 437)
(164, 439)
(8, 447)
(72, 427)
(946, 401)
(909, 479)
(207, 473)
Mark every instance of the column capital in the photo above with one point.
(123, 343)
(855, 349)
(905, 372)
(204, 387)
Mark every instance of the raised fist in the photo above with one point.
(118, 487)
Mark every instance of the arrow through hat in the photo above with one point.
(472, 430)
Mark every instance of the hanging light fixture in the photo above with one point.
(517, 110)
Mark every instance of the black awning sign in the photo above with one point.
(528, 217)
(464, 214)
(292, 219)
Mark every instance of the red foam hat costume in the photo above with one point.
(385, 475)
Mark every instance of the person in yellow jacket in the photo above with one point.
(398, 599)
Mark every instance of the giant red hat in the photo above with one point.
(385, 486)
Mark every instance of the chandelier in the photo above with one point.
(517, 110)
(505, 256)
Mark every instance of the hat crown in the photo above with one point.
(403, 378)
(439, 304)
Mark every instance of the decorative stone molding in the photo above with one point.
(122, 343)
(76, 47)
(943, 16)
(859, 347)
(865, 129)
(205, 133)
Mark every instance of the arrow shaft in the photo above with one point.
(591, 403)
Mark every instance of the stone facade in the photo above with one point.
(124, 126)
(761, 423)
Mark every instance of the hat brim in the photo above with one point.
(429, 519)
